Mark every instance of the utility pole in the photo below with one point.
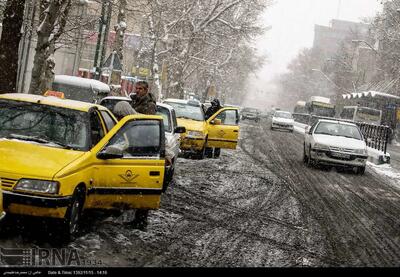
(102, 37)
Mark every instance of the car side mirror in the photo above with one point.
(110, 152)
(216, 121)
(180, 130)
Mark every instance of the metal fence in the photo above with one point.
(376, 136)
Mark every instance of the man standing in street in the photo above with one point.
(143, 102)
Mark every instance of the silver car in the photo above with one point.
(335, 142)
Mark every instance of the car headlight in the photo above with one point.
(43, 186)
(319, 146)
(195, 134)
(361, 151)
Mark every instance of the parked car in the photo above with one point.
(172, 140)
(171, 128)
(68, 156)
(221, 130)
(2, 213)
(282, 120)
(81, 89)
(250, 113)
(334, 142)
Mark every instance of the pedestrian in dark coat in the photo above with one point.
(143, 101)
(215, 107)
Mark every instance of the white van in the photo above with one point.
(81, 89)
(362, 114)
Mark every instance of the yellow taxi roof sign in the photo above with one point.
(58, 94)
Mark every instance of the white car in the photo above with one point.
(171, 128)
(334, 142)
(282, 120)
(172, 139)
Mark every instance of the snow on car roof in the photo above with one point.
(337, 121)
(123, 98)
(165, 105)
(51, 101)
(81, 82)
(182, 101)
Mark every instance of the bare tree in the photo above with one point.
(9, 43)
(53, 18)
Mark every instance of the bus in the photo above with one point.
(300, 107)
(362, 114)
(320, 106)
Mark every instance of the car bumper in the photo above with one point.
(249, 117)
(332, 158)
(192, 144)
(282, 126)
(18, 203)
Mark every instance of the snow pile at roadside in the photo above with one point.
(386, 170)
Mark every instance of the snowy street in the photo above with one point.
(256, 206)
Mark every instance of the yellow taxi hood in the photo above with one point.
(193, 125)
(34, 160)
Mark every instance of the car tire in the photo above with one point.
(70, 223)
(209, 152)
(310, 161)
(361, 170)
(217, 153)
(169, 176)
(305, 157)
(202, 153)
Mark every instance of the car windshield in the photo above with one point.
(337, 129)
(110, 103)
(187, 111)
(283, 115)
(47, 125)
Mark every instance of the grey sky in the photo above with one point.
(292, 23)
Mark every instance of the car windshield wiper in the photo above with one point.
(27, 138)
(38, 139)
(324, 133)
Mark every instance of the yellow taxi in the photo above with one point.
(221, 130)
(2, 213)
(59, 157)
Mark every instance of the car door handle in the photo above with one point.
(154, 173)
(235, 131)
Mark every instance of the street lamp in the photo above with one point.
(340, 88)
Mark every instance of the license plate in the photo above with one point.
(340, 155)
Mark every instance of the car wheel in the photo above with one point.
(70, 223)
(202, 153)
(310, 161)
(168, 179)
(361, 170)
(305, 158)
(217, 153)
(209, 152)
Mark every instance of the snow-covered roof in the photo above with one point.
(320, 99)
(378, 93)
(81, 82)
(368, 94)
